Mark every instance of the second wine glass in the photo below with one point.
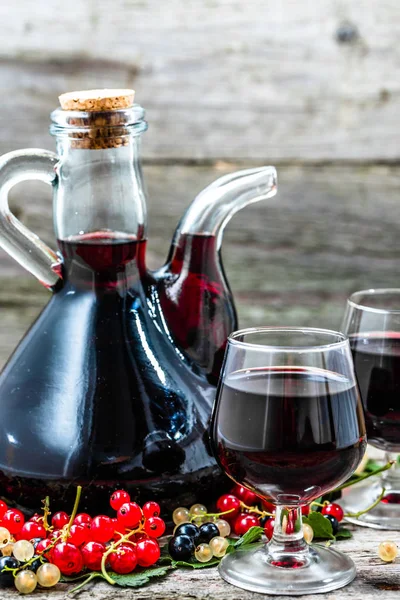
(372, 322)
(288, 424)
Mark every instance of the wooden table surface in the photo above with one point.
(375, 579)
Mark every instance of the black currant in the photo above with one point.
(263, 521)
(191, 530)
(181, 547)
(35, 541)
(334, 522)
(208, 531)
(38, 562)
(6, 577)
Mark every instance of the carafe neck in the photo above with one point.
(99, 188)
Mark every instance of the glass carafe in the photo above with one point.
(107, 389)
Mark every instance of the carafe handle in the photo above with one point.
(15, 238)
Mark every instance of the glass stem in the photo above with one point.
(391, 477)
(288, 547)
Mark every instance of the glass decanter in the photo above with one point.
(113, 384)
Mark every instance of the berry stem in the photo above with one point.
(362, 512)
(226, 512)
(67, 529)
(86, 581)
(254, 509)
(46, 513)
(112, 548)
(365, 476)
(320, 504)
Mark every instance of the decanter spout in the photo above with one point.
(213, 207)
(194, 295)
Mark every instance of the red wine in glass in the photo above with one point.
(288, 424)
(372, 322)
(377, 363)
(289, 431)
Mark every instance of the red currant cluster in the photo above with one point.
(73, 543)
(243, 510)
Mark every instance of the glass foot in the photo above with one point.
(324, 569)
(386, 515)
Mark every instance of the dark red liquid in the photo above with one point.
(377, 363)
(290, 435)
(98, 393)
(197, 302)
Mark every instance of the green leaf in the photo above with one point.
(195, 564)
(138, 578)
(165, 557)
(251, 536)
(322, 527)
(343, 534)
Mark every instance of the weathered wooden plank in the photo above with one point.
(291, 260)
(374, 579)
(274, 81)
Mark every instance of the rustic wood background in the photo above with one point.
(312, 87)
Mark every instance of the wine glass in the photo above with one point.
(372, 322)
(288, 425)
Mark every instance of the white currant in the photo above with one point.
(387, 551)
(203, 553)
(219, 546)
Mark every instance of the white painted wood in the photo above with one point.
(264, 79)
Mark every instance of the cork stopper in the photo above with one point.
(104, 127)
(97, 100)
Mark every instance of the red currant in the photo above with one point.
(42, 546)
(129, 515)
(148, 552)
(119, 529)
(244, 522)
(59, 519)
(154, 527)
(78, 535)
(67, 557)
(269, 528)
(92, 554)
(3, 509)
(55, 534)
(32, 530)
(124, 560)
(229, 502)
(305, 510)
(289, 528)
(82, 518)
(151, 509)
(334, 510)
(37, 518)
(101, 529)
(13, 520)
(245, 495)
(119, 498)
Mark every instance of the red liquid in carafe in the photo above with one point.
(104, 394)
